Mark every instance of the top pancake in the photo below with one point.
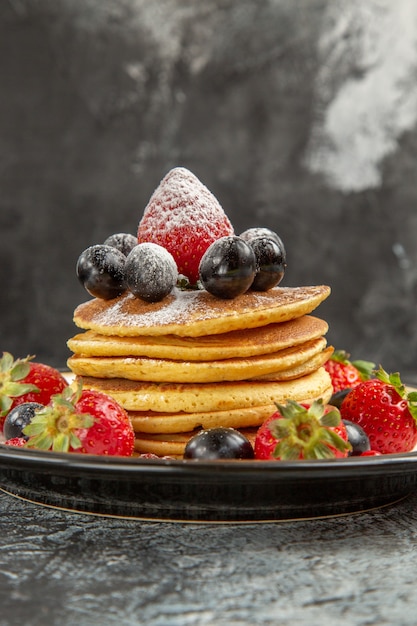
(197, 313)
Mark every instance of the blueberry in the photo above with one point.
(253, 233)
(357, 438)
(228, 267)
(270, 263)
(122, 241)
(100, 269)
(18, 418)
(151, 272)
(219, 443)
(338, 397)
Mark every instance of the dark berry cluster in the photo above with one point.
(255, 260)
(119, 264)
(231, 265)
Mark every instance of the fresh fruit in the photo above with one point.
(254, 233)
(357, 438)
(338, 397)
(386, 412)
(152, 456)
(370, 453)
(24, 380)
(100, 269)
(346, 374)
(228, 267)
(218, 443)
(270, 263)
(125, 242)
(151, 272)
(17, 442)
(18, 418)
(83, 421)
(300, 431)
(184, 217)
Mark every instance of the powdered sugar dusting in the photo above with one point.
(196, 313)
(184, 217)
(151, 271)
(124, 312)
(183, 200)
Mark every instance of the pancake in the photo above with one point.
(166, 370)
(197, 313)
(163, 445)
(307, 367)
(152, 422)
(235, 344)
(195, 397)
(173, 445)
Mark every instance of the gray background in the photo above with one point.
(299, 115)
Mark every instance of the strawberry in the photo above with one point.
(26, 381)
(300, 431)
(386, 412)
(185, 218)
(346, 374)
(17, 442)
(83, 421)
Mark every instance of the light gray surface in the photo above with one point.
(71, 569)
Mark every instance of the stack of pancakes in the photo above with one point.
(194, 361)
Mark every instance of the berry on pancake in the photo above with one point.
(183, 217)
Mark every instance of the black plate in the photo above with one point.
(216, 491)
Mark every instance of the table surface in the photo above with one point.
(70, 569)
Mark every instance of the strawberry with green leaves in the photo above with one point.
(346, 374)
(386, 411)
(185, 218)
(300, 431)
(23, 380)
(83, 421)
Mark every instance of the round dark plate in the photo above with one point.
(215, 491)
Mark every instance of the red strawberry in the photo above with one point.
(370, 453)
(185, 218)
(82, 421)
(347, 374)
(300, 431)
(17, 442)
(386, 412)
(26, 381)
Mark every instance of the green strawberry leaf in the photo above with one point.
(332, 418)
(365, 368)
(340, 356)
(6, 362)
(307, 432)
(15, 390)
(5, 404)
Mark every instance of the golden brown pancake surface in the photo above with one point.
(196, 313)
(167, 370)
(238, 343)
(197, 397)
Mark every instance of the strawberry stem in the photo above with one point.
(394, 380)
(54, 426)
(11, 372)
(305, 433)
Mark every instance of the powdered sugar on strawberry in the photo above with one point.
(184, 217)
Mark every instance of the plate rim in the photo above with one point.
(65, 461)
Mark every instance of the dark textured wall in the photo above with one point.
(298, 115)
